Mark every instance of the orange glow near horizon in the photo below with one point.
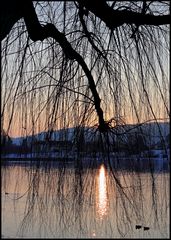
(18, 128)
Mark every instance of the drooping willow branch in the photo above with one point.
(51, 31)
(115, 18)
(112, 18)
(37, 32)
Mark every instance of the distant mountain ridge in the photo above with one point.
(152, 131)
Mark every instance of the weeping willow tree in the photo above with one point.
(85, 64)
(66, 64)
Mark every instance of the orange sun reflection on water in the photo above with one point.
(101, 193)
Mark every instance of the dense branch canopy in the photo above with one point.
(12, 11)
(115, 18)
(110, 30)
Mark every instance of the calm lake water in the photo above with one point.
(66, 202)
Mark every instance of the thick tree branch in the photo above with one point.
(10, 13)
(115, 18)
(51, 31)
(37, 32)
(112, 18)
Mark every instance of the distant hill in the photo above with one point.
(69, 134)
(151, 131)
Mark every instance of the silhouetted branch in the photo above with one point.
(115, 18)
